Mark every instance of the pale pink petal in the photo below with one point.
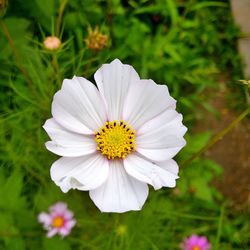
(113, 81)
(78, 106)
(196, 241)
(64, 231)
(203, 243)
(83, 173)
(67, 143)
(52, 232)
(70, 224)
(121, 192)
(68, 215)
(145, 100)
(149, 172)
(59, 207)
(45, 219)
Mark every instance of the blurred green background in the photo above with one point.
(186, 44)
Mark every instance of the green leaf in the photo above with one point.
(56, 243)
(173, 10)
(202, 189)
(10, 192)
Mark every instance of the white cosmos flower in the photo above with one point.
(116, 139)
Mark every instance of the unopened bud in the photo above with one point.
(52, 43)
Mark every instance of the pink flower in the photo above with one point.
(59, 220)
(52, 43)
(195, 242)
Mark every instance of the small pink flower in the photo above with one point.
(52, 43)
(59, 220)
(195, 242)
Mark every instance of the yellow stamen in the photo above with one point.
(115, 139)
(196, 248)
(58, 221)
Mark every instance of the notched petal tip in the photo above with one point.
(64, 185)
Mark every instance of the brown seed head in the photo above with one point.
(3, 7)
(96, 40)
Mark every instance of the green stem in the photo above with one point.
(217, 137)
(56, 69)
(15, 54)
(219, 231)
(59, 18)
(20, 234)
(191, 216)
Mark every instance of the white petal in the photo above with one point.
(149, 172)
(78, 106)
(67, 143)
(162, 137)
(113, 81)
(83, 173)
(146, 100)
(169, 165)
(121, 192)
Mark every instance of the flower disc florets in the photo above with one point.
(115, 139)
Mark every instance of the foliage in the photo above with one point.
(184, 44)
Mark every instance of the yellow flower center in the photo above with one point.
(58, 221)
(196, 248)
(115, 139)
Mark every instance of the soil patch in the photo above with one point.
(232, 152)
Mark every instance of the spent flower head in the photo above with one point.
(116, 139)
(195, 242)
(3, 7)
(59, 220)
(52, 43)
(96, 40)
(245, 82)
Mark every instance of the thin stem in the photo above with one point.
(90, 61)
(59, 18)
(25, 234)
(217, 137)
(16, 55)
(56, 68)
(247, 92)
(219, 231)
(191, 216)
(35, 176)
